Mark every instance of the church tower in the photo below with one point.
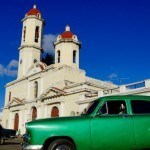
(31, 43)
(67, 49)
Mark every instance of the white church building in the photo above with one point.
(61, 89)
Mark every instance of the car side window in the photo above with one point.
(114, 107)
(140, 106)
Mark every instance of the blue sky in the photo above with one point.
(115, 36)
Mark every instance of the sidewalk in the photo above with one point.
(11, 144)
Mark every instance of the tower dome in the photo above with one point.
(33, 12)
(67, 35)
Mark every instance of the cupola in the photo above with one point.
(34, 12)
(67, 35)
(67, 49)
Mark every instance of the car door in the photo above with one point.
(141, 118)
(111, 130)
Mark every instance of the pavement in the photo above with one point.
(13, 144)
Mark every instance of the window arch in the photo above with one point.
(16, 122)
(35, 89)
(35, 60)
(34, 113)
(72, 113)
(36, 34)
(9, 96)
(20, 61)
(55, 112)
(24, 33)
(74, 56)
(58, 56)
(38, 15)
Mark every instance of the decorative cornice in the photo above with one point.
(66, 41)
(30, 46)
(86, 100)
(17, 100)
(58, 92)
(33, 17)
(53, 67)
(100, 83)
(52, 101)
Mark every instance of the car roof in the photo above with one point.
(119, 97)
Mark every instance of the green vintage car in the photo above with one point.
(109, 123)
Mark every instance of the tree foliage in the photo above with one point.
(48, 60)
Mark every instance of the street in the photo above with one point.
(11, 145)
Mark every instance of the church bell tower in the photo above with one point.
(67, 49)
(31, 43)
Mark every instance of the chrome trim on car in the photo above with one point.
(31, 147)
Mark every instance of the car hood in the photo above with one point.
(55, 127)
(56, 121)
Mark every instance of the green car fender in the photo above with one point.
(76, 129)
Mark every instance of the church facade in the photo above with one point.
(42, 91)
(61, 89)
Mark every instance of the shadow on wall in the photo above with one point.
(0, 117)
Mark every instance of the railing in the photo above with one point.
(126, 88)
(135, 85)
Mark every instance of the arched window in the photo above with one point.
(72, 113)
(20, 61)
(34, 113)
(74, 56)
(36, 34)
(24, 34)
(55, 112)
(35, 89)
(35, 60)
(16, 122)
(9, 96)
(38, 15)
(58, 56)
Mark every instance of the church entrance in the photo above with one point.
(16, 122)
(34, 113)
(55, 112)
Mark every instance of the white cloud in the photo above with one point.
(13, 64)
(10, 69)
(1, 70)
(112, 76)
(48, 40)
(11, 73)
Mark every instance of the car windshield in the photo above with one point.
(91, 107)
